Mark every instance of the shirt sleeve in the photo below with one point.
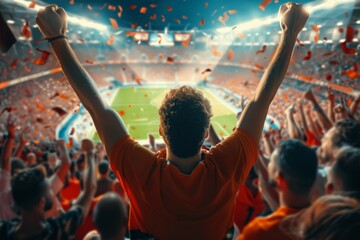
(253, 231)
(131, 161)
(5, 178)
(235, 156)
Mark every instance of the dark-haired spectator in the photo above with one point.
(104, 183)
(344, 174)
(344, 133)
(182, 191)
(110, 219)
(292, 171)
(32, 196)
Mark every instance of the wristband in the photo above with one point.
(56, 37)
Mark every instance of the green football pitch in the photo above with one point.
(138, 107)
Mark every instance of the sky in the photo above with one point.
(178, 14)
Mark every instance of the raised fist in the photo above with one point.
(293, 17)
(51, 21)
(87, 145)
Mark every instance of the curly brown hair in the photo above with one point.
(184, 118)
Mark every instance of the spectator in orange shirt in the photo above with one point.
(293, 170)
(248, 202)
(189, 193)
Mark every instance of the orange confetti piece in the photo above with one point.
(184, 17)
(215, 52)
(89, 62)
(111, 40)
(308, 56)
(70, 143)
(202, 22)
(259, 66)
(80, 40)
(177, 21)
(134, 25)
(169, 8)
(44, 57)
(230, 55)
(224, 18)
(240, 35)
(112, 8)
(186, 42)
(206, 70)
(121, 112)
(14, 63)
(143, 10)
(264, 3)
(27, 69)
(32, 4)
(163, 19)
(25, 30)
(114, 23)
(206, 4)
(261, 50)
(153, 17)
(59, 111)
(77, 108)
(89, 7)
(132, 7)
(232, 12)
(40, 107)
(72, 2)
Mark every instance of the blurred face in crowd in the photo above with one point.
(30, 159)
(327, 150)
(52, 160)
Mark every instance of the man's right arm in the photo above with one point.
(293, 18)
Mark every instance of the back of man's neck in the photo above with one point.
(185, 165)
(294, 201)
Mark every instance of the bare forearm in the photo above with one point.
(294, 129)
(89, 184)
(254, 115)
(321, 115)
(303, 119)
(330, 110)
(19, 150)
(269, 148)
(82, 83)
(6, 154)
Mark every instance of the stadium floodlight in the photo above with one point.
(310, 7)
(339, 24)
(72, 19)
(358, 22)
(10, 21)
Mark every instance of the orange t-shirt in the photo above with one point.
(168, 204)
(73, 190)
(268, 227)
(311, 139)
(247, 206)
